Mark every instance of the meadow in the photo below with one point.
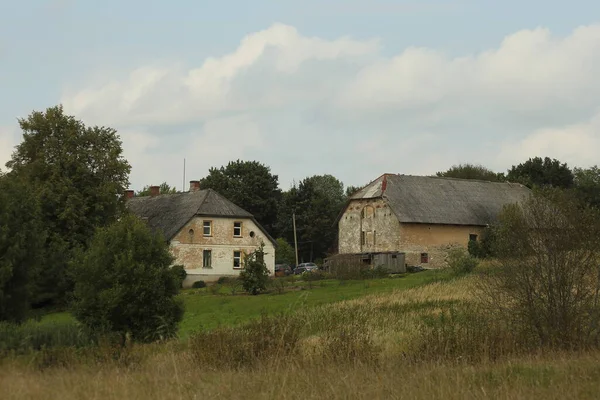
(406, 337)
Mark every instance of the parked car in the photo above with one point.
(301, 268)
(282, 270)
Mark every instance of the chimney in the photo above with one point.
(384, 183)
(154, 191)
(194, 186)
(129, 194)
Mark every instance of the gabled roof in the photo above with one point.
(168, 213)
(448, 201)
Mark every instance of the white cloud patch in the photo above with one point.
(306, 105)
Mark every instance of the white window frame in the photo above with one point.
(209, 226)
(240, 228)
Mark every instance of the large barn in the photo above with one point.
(207, 233)
(420, 216)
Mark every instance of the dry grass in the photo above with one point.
(375, 347)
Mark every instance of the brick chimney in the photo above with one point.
(194, 186)
(384, 183)
(154, 191)
(129, 194)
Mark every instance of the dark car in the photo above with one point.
(282, 270)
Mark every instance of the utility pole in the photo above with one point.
(295, 238)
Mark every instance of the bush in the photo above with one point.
(255, 275)
(223, 280)
(180, 273)
(461, 262)
(215, 288)
(234, 285)
(548, 283)
(123, 283)
(199, 285)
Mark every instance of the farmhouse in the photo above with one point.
(207, 233)
(422, 217)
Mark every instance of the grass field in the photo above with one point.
(204, 310)
(374, 341)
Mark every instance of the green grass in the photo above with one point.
(204, 310)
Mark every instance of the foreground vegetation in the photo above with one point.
(412, 343)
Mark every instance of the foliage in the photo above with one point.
(548, 283)
(316, 201)
(587, 185)
(461, 262)
(123, 283)
(255, 276)
(180, 273)
(21, 242)
(483, 248)
(542, 173)
(79, 176)
(164, 188)
(472, 171)
(350, 190)
(199, 285)
(250, 185)
(284, 254)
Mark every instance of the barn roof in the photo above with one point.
(448, 201)
(168, 213)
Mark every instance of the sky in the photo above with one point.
(350, 88)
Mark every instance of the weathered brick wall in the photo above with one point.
(379, 220)
(435, 240)
(188, 246)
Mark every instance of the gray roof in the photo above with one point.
(168, 213)
(448, 201)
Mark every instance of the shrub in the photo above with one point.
(548, 282)
(215, 288)
(279, 285)
(123, 283)
(255, 275)
(199, 285)
(460, 262)
(234, 285)
(180, 273)
(223, 280)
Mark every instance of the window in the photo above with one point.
(251, 234)
(424, 258)
(207, 259)
(363, 239)
(237, 229)
(374, 238)
(237, 259)
(207, 228)
(472, 237)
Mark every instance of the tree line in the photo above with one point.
(64, 186)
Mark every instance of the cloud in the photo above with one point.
(307, 105)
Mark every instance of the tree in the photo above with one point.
(542, 172)
(123, 283)
(285, 252)
(548, 283)
(472, 171)
(316, 201)
(79, 176)
(255, 274)
(165, 188)
(587, 185)
(250, 185)
(350, 190)
(21, 241)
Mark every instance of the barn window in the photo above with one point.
(251, 234)
(363, 238)
(191, 232)
(207, 228)
(374, 238)
(237, 259)
(424, 258)
(207, 259)
(472, 237)
(368, 212)
(237, 229)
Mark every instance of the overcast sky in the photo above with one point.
(352, 88)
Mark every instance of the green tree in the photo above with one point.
(165, 188)
(542, 172)
(350, 190)
(284, 253)
(123, 283)
(472, 171)
(21, 242)
(587, 185)
(250, 185)
(79, 176)
(255, 275)
(316, 201)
